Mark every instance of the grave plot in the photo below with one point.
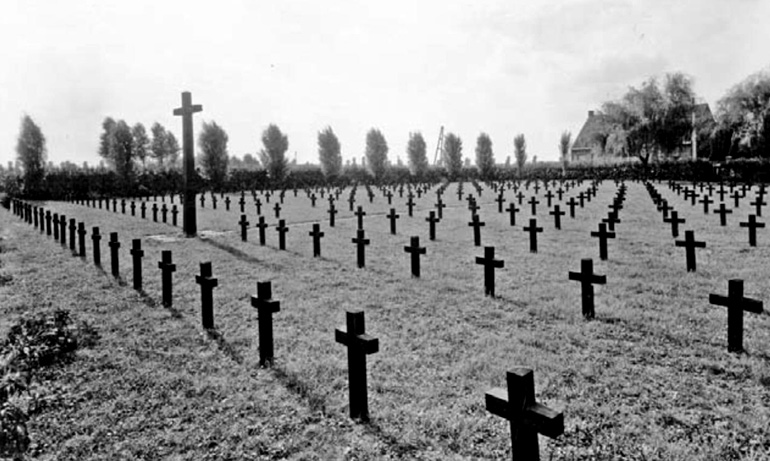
(617, 378)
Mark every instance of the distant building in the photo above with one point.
(592, 140)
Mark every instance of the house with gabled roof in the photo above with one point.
(592, 139)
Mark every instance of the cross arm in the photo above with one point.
(272, 306)
(537, 417)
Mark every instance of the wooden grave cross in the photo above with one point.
(415, 250)
(332, 211)
(690, 244)
(476, 224)
(359, 345)
(432, 220)
(316, 234)
(752, 225)
(207, 283)
(392, 216)
(611, 220)
(587, 279)
(164, 213)
(410, 204)
(490, 264)
(572, 203)
(133, 208)
(227, 203)
(266, 307)
(736, 304)
(136, 255)
(500, 201)
(533, 231)
(282, 230)
(675, 221)
(242, 204)
(96, 238)
(261, 225)
(527, 417)
(736, 196)
(722, 211)
(82, 239)
(143, 209)
(361, 241)
(114, 245)
(512, 213)
(549, 198)
(48, 218)
(56, 226)
(706, 201)
(244, 227)
(757, 203)
(277, 209)
(155, 212)
(533, 201)
(360, 213)
(664, 207)
(167, 268)
(73, 227)
(557, 214)
(440, 205)
(603, 235)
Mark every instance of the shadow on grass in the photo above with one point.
(397, 447)
(239, 254)
(291, 381)
(224, 346)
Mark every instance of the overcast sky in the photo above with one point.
(501, 67)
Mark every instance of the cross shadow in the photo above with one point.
(241, 255)
(224, 346)
(401, 449)
(291, 381)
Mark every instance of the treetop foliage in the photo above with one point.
(376, 153)
(416, 153)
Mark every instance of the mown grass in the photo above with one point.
(650, 378)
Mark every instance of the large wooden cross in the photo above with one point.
(528, 418)
(735, 303)
(359, 345)
(186, 112)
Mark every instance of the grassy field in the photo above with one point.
(649, 379)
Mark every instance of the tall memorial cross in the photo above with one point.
(752, 225)
(167, 268)
(490, 264)
(186, 112)
(207, 283)
(690, 244)
(587, 279)
(527, 418)
(415, 250)
(476, 224)
(722, 211)
(736, 304)
(266, 307)
(393, 216)
(359, 345)
(316, 234)
(361, 241)
(533, 231)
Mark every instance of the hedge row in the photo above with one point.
(102, 183)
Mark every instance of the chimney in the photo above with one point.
(590, 113)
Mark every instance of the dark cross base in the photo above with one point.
(527, 418)
(207, 283)
(359, 345)
(587, 279)
(266, 307)
(415, 250)
(490, 264)
(736, 304)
